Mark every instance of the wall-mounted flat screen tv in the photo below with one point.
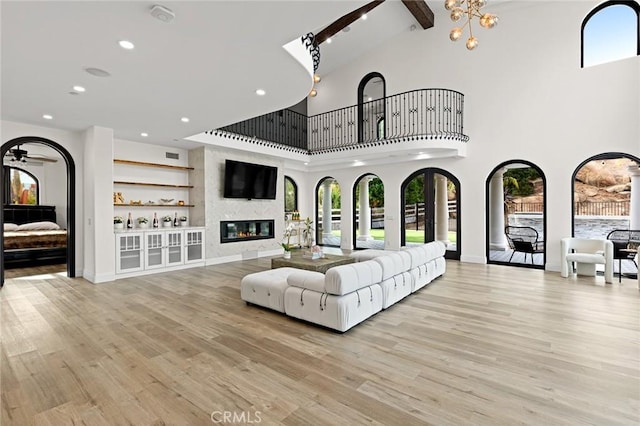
(250, 181)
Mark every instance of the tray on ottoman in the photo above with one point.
(317, 265)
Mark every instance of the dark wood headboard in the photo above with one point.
(19, 213)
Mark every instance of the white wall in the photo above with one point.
(526, 97)
(128, 150)
(208, 178)
(72, 142)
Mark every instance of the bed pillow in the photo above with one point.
(10, 226)
(38, 226)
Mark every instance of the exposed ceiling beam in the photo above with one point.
(346, 20)
(421, 11)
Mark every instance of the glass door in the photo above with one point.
(174, 248)
(129, 252)
(431, 200)
(155, 256)
(194, 249)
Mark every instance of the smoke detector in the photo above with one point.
(162, 13)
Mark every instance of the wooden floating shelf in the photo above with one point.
(159, 185)
(152, 205)
(143, 163)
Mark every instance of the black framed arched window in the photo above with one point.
(372, 107)
(20, 186)
(611, 31)
(290, 195)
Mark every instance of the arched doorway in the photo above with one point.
(431, 210)
(516, 194)
(372, 108)
(71, 196)
(328, 202)
(368, 212)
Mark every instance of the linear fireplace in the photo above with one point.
(245, 230)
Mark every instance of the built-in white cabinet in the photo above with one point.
(155, 250)
(129, 252)
(194, 245)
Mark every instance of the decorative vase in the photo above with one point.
(287, 255)
(118, 225)
(166, 224)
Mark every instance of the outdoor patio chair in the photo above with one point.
(625, 246)
(524, 239)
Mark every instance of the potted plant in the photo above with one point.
(166, 221)
(118, 222)
(143, 222)
(184, 221)
(287, 245)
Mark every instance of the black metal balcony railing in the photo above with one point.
(424, 113)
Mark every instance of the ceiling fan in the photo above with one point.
(17, 155)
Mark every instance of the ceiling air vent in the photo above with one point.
(173, 155)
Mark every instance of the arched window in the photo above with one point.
(371, 107)
(290, 195)
(20, 186)
(611, 32)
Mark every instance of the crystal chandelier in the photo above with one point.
(457, 8)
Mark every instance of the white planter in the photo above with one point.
(184, 223)
(118, 226)
(287, 255)
(143, 225)
(167, 224)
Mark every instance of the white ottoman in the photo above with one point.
(266, 288)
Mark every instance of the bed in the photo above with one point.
(31, 237)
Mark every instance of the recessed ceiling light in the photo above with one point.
(47, 117)
(369, 98)
(184, 119)
(126, 44)
(328, 40)
(364, 16)
(79, 89)
(144, 135)
(306, 164)
(260, 92)
(97, 72)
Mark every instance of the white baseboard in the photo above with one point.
(238, 257)
(97, 278)
(473, 259)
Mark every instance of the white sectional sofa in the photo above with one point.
(347, 294)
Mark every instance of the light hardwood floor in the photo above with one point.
(483, 344)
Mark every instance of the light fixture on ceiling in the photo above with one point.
(79, 89)
(313, 93)
(144, 135)
(185, 119)
(47, 117)
(316, 78)
(126, 44)
(328, 40)
(364, 17)
(260, 92)
(97, 72)
(470, 8)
